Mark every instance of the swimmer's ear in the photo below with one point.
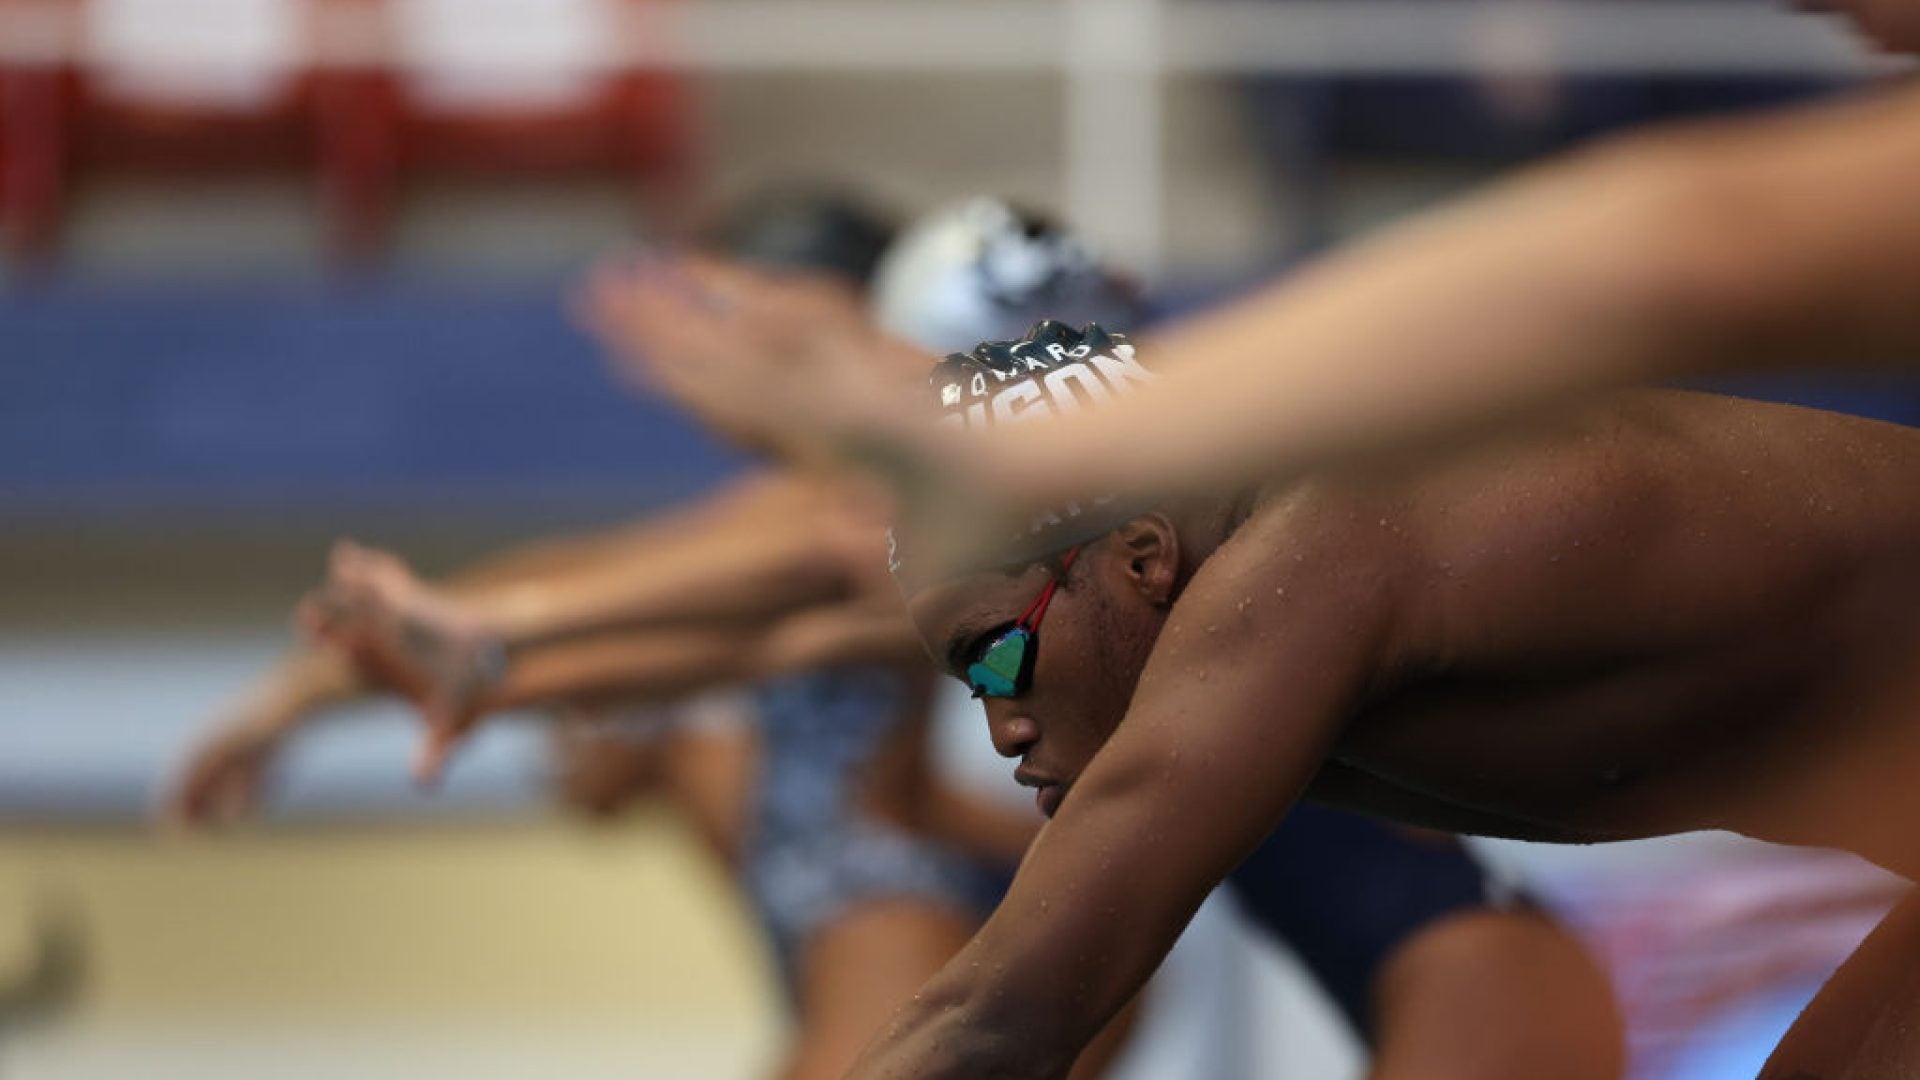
(1149, 546)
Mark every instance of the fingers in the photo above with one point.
(430, 760)
(182, 803)
(448, 725)
(237, 798)
(328, 612)
(221, 784)
(642, 318)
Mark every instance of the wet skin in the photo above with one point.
(1669, 613)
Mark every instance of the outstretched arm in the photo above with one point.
(749, 497)
(662, 665)
(1791, 239)
(226, 772)
(703, 607)
(750, 350)
(1225, 731)
(772, 545)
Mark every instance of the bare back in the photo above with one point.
(1679, 611)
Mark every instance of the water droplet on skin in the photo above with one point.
(1211, 627)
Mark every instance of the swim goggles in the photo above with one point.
(1005, 666)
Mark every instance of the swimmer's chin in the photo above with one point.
(1047, 798)
(1047, 791)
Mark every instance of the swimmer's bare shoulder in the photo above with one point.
(1648, 572)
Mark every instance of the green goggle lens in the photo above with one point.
(998, 671)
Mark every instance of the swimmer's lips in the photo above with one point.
(1047, 791)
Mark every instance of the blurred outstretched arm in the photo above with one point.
(798, 580)
(1789, 239)
(227, 770)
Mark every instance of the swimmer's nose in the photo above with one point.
(1013, 734)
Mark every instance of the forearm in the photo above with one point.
(1456, 317)
(752, 496)
(663, 664)
(835, 634)
(1487, 995)
(1789, 239)
(640, 667)
(1027, 995)
(1103, 893)
(302, 684)
(745, 569)
(965, 1049)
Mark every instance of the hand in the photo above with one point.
(785, 363)
(401, 633)
(226, 775)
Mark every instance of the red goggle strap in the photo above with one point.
(1030, 619)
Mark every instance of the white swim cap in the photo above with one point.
(981, 270)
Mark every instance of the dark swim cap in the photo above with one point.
(806, 229)
(1054, 370)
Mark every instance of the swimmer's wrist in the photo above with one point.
(492, 660)
(956, 1030)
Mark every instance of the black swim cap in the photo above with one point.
(1054, 370)
(810, 229)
